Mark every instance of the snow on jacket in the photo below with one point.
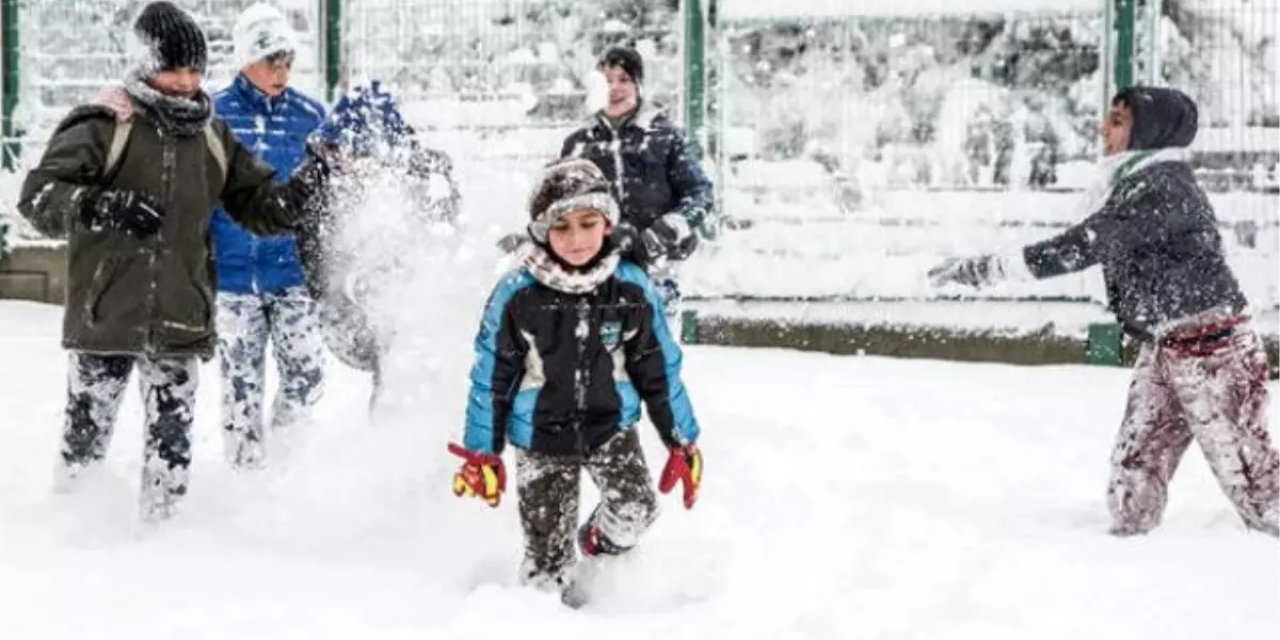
(561, 373)
(275, 129)
(1156, 236)
(649, 164)
(152, 295)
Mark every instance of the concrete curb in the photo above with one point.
(905, 341)
(34, 272)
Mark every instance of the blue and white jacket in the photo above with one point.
(276, 130)
(561, 373)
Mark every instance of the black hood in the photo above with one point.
(1162, 117)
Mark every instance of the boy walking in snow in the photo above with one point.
(570, 342)
(1201, 372)
(262, 294)
(131, 182)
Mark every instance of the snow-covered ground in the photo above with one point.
(845, 498)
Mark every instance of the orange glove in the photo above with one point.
(482, 475)
(683, 465)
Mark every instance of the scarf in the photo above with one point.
(1114, 169)
(551, 272)
(178, 116)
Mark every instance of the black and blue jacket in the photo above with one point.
(561, 373)
(276, 130)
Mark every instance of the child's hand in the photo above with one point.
(975, 272)
(482, 475)
(683, 465)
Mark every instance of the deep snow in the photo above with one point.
(845, 497)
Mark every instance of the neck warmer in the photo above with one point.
(178, 116)
(555, 274)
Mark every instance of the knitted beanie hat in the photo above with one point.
(166, 37)
(260, 32)
(568, 185)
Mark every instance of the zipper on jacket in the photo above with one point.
(615, 146)
(581, 373)
(168, 161)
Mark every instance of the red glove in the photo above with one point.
(683, 465)
(482, 475)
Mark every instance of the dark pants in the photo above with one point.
(95, 388)
(548, 491)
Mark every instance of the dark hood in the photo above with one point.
(1162, 117)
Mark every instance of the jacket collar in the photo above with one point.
(254, 97)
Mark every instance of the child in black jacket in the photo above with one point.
(1201, 373)
(570, 342)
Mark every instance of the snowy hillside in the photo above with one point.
(852, 498)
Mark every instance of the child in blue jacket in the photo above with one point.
(262, 294)
(570, 343)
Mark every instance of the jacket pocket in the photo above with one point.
(105, 276)
(191, 313)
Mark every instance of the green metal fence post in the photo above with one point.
(1125, 17)
(689, 326)
(9, 79)
(695, 74)
(1104, 344)
(332, 47)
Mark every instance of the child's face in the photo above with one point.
(270, 75)
(623, 93)
(1116, 128)
(578, 236)
(183, 82)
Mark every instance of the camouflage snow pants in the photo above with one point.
(245, 323)
(95, 388)
(548, 492)
(1215, 395)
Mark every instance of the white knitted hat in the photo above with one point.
(259, 32)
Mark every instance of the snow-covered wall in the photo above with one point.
(773, 9)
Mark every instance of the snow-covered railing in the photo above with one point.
(732, 10)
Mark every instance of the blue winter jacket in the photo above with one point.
(275, 129)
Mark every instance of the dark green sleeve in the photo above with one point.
(69, 171)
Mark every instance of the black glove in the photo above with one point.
(311, 177)
(132, 212)
(976, 272)
(627, 239)
(667, 238)
(670, 237)
(321, 162)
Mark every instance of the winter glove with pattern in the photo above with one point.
(482, 475)
(132, 212)
(975, 272)
(684, 464)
